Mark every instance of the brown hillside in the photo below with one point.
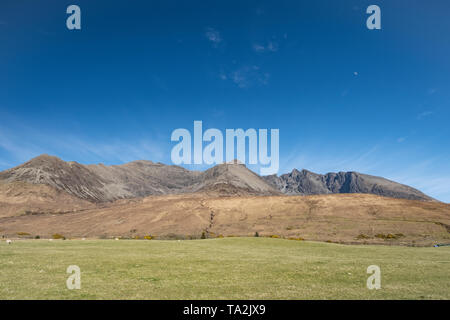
(348, 218)
(20, 198)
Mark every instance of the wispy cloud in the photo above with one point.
(213, 36)
(248, 76)
(223, 76)
(429, 175)
(5, 165)
(271, 46)
(438, 186)
(19, 146)
(423, 176)
(424, 114)
(118, 150)
(363, 161)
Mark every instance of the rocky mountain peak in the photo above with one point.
(100, 183)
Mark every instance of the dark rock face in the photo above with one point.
(308, 183)
(100, 183)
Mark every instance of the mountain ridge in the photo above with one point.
(305, 182)
(141, 178)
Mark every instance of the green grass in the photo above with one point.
(230, 268)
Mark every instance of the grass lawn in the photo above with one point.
(229, 268)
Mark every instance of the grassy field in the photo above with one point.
(229, 268)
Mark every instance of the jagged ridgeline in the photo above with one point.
(100, 183)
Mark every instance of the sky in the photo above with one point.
(344, 98)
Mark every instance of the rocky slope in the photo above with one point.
(232, 179)
(100, 183)
(137, 179)
(309, 183)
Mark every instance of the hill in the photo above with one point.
(346, 218)
(21, 198)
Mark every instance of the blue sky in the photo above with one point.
(343, 97)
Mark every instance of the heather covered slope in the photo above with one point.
(21, 198)
(347, 218)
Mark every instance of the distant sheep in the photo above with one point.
(8, 241)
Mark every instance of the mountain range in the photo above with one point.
(100, 183)
(47, 196)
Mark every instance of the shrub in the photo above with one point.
(23, 234)
(389, 236)
(274, 236)
(58, 236)
(220, 236)
(171, 236)
(203, 235)
(148, 237)
(362, 236)
(37, 237)
(256, 234)
(297, 239)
